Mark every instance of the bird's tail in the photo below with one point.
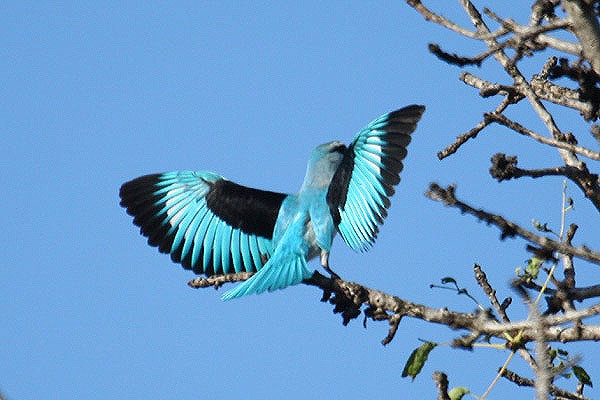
(285, 268)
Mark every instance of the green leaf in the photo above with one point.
(533, 268)
(417, 359)
(448, 279)
(582, 375)
(458, 392)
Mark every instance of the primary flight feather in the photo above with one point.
(214, 226)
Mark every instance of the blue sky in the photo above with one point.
(98, 93)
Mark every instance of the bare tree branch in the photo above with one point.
(543, 88)
(542, 39)
(508, 228)
(439, 19)
(441, 382)
(515, 126)
(582, 19)
(591, 189)
(461, 139)
(217, 281)
(586, 28)
(505, 168)
(481, 279)
(554, 391)
(542, 370)
(349, 297)
(518, 40)
(554, 320)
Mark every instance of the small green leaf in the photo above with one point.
(458, 392)
(448, 279)
(582, 375)
(417, 359)
(533, 268)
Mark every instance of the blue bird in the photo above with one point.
(214, 226)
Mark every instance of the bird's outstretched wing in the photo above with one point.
(360, 189)
(206, 222)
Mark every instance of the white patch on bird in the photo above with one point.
(174, 199)
(175, 218)
(374, 151)
(373, 148)
(375, 169)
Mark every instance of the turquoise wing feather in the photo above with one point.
(287, 266)
(205, 222)
(363, 183)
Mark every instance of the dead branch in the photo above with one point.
(471, 134)
(509, 229)
(554, 391)
(561, 144)
(441, 382)
(349, 298)
(586, 28)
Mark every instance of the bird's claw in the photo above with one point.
(325, 264)
(333, 274)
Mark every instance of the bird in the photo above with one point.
(213, 226)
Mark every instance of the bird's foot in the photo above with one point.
(325, 264)
(333, 274)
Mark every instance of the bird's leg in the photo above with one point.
(325, 264)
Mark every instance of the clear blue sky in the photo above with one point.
(97, 93)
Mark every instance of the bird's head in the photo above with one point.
(324, 161)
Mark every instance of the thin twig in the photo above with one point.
(515, 126)
(471, 134)
(554, 391)
(440, 19)
(542, 39)
(509, 228)
(543, 88)
(500, 371)
(490, 292)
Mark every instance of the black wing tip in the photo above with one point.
(413, 112)
(131, 190)
(136, 195)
